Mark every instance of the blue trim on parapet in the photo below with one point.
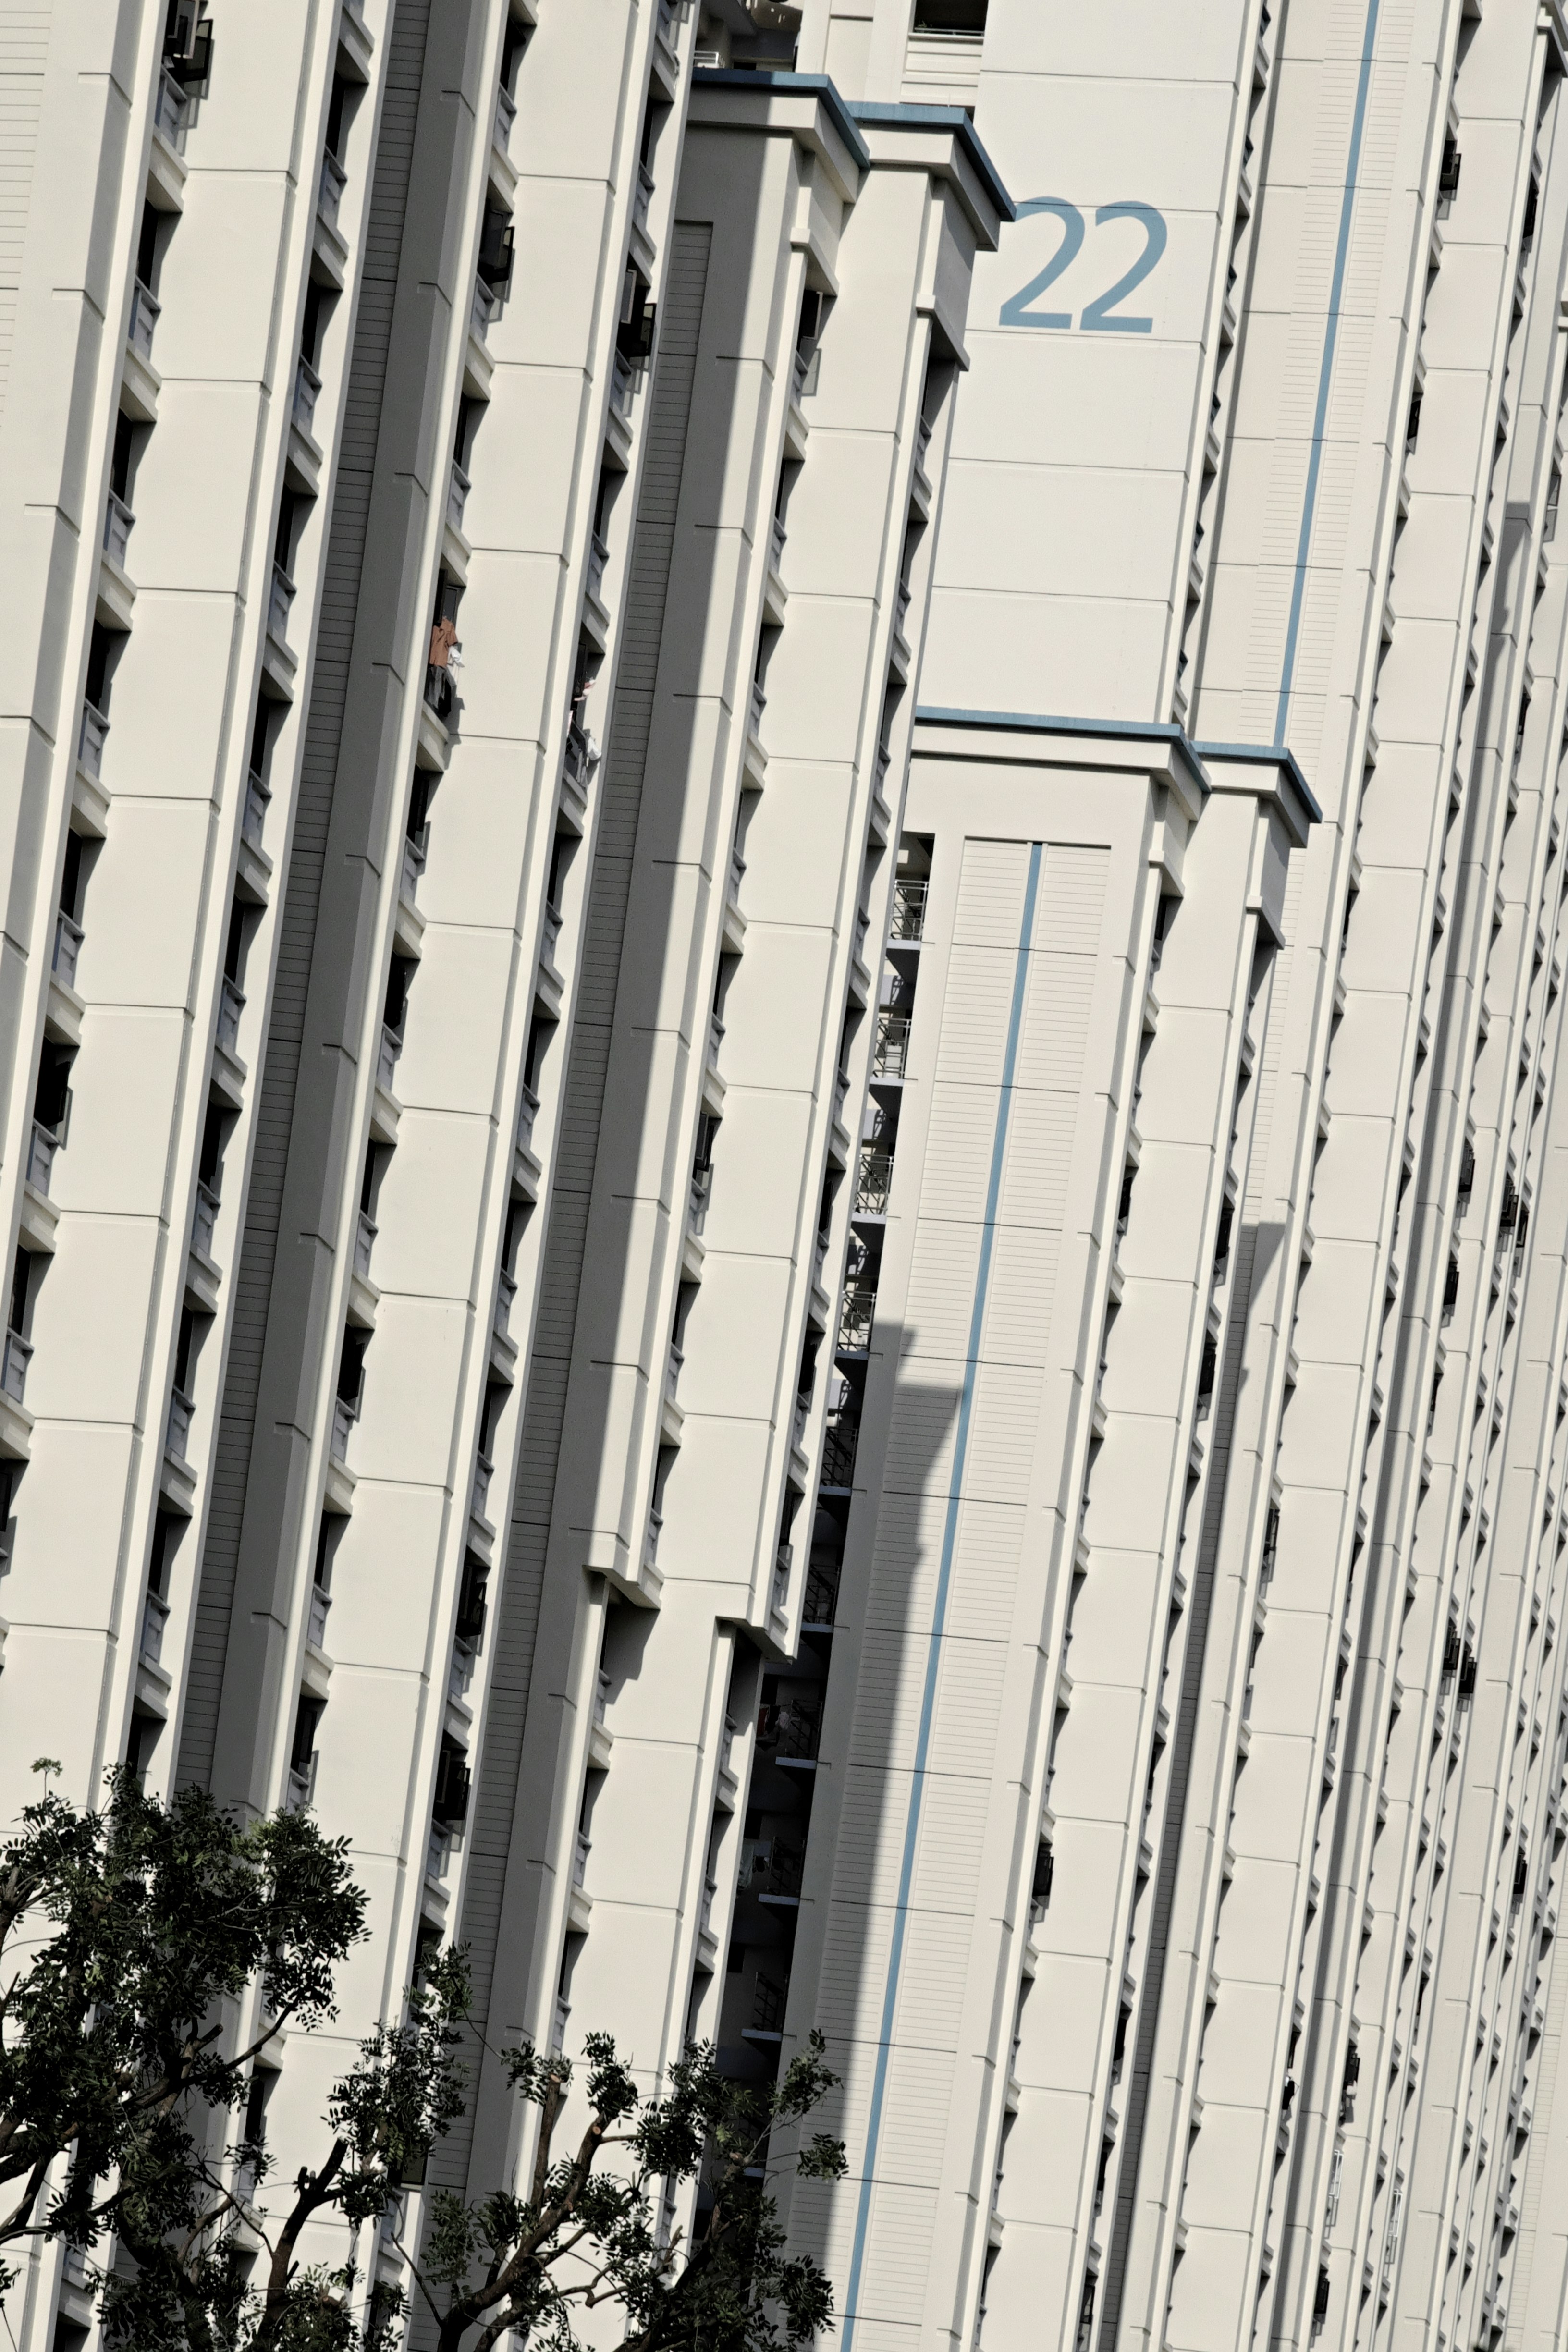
(1326, 374)
(942, 118)
(1279, 757)
(939, 1610)
(818, 85)
(1144, 730)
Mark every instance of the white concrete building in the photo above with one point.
(783, 1163)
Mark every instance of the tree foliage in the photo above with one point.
(129, 1940)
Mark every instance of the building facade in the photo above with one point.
(779, 1014)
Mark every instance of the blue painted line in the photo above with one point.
(1326, 371)
(944, 1579)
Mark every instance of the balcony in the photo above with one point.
(873, 1180)
(257, 797)
(144, 310)
(737, 876)
(452, 1779)
(506, 115)
(204, 1223)
(154, 1618)
(821, 1597)
(280, 597)
(582, 757)
(580, 1853)
(90, 741)
(642, 197)
(13, 1365)
(702, 1191)
(457, 489)
(705, 1916)
(856, 1315)
(677, 1357)
(307, 392)
(552, 938)
(42, 1146)
(802, 1415)
(799, 371)
(781, 1568)
(598, 557)
(909, 911)
(759, 703)
(715, 1039)
(623, 388)
(650, 1541)
(118, 524)
(506, 1292)
(776, 542)
(839, 1441)
(889, 1055)
(386, 1059)
(69, 937)
(169, 112)
(329, 190)
(527, 1112)
(345, 1413)
(315, 1630)
(230, 1006)
(485, 305)
(302, 1785)
(484, 1471)
(364, 1242)
(182, 1410)
(413, 867)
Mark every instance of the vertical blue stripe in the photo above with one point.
(945, 1578)
(1326, 371)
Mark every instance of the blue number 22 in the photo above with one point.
(1101, 313)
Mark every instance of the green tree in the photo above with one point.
(127, 1938)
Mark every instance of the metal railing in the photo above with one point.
(182, 1410)
(144, 309)
(230, 1006)
(800, 369)
(484, 1471)
(301, 1783)
(386, 1059)
(315, 1630)
(855, 1313)
(908, 911)
(527, 1112)
(582, 755)
(307, 392)
(345, 1413)
(90, 741)
(821, 1597)
(783, 1564)
(598, 557)
(257, 796)
(330, 192)
(737, 875)
(280, 597)
(13, 1365)
(169, 112)
(776, 542)
(69, 937)
(506, 115)
(118, 524)
(839, 1440)
(622, 387)
(203, 1221)
(42, 1146)
(506, 1291)
(413, 867)
(873, 1180)
(759, 704)
(551, 934)
(457, 489)
(485, 305)
(702, 1191)
(365, 1242)
(154, 1617)
(672, 1370)
(890, 1054)
(642, 196)
(650, 1542)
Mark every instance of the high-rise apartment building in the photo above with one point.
(781, 1009)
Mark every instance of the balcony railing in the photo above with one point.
(855, 1319)
(908, 911)
(280, 597)
(144, 309)
(580, 1853)
(802, 1415)
(776, 542)
(672, 1370)
(334, 180)
(758, 705)
(889, 1055)
(154, 1617)
(799, 371)
(413, 867)
(781, 1568)
(737, 875)
(42, 1146)
(386, 1059)
(650, 1541)
(13, 1365)
(457, 489)
(839, 1440)
(204, 1223)
(118, 524)
(257, 796)
(506, 1291)
(710, 1895)
(884, 762)
(821, 1596)
(345, 1413)
(365, 1242)
(642, 196)
(901, 608)
(485, 305)
(582, 755)
(601, 1694)
(302, 1785)
(506, 115)
(90, 744)
(484, 1471)
(872, 1181)
(307, 392)
(182, 1410)
(68, 936)
(598, 557)
(316, 1631)
(622, 387)
(923, 431)
(701, 1191)
(230, 1006)
(169, 113)
(527, 1112)
(551, 934)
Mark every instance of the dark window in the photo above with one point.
(950, 16)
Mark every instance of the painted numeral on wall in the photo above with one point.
(1100, 315)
